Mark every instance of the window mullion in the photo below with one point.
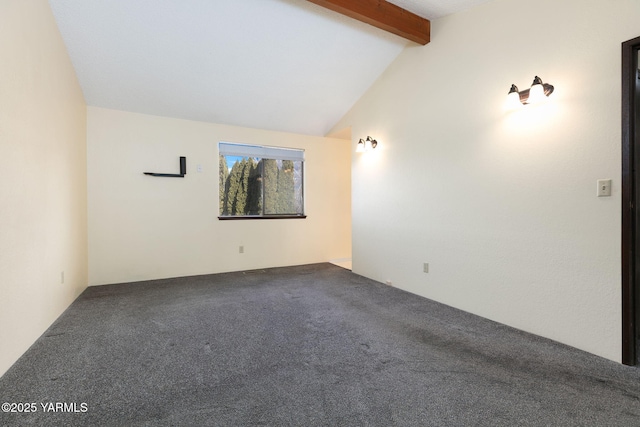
(262, 185)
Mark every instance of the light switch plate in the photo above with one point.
(604, 187)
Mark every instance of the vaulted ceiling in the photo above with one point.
(287, 65)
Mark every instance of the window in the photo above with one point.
(260, 182)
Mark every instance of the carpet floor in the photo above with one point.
(312, 345)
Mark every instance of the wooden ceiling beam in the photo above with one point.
(384, 15)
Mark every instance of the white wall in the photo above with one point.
(43, 188)
(501, 205)
(143, 227)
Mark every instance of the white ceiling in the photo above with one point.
(285, 65)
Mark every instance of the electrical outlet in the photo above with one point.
(241, 249)
(425, 267)
(62, 277)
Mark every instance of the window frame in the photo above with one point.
(243, 149)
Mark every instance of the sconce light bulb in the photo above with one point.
(360, 146)
(513, 98)
(536, 93)
(370, 144)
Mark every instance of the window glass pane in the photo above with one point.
(254, 186)
(240, 187)
(282, 187)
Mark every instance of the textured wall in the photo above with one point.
(43, 189)
(502, 205)
(143, 227)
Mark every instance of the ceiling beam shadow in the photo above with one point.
(384, 15)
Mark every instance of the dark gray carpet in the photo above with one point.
(313, 345)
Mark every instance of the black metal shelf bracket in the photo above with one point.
(183, 170)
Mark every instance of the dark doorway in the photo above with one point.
(630, 194)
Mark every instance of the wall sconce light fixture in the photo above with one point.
(538, 92)
(366, 145)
